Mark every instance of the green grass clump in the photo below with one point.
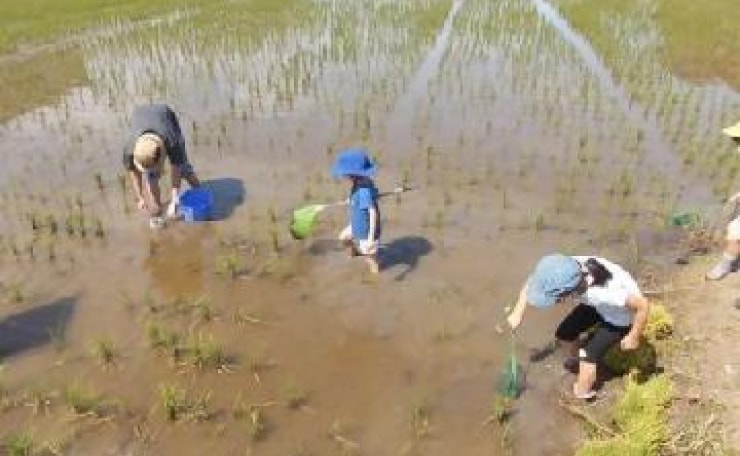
(162, 338)
(644, 358)
(203, 352)
(177, 406)
(104, 350)
(660, 323)
(641, 418)
(82, 400)
(18, 445)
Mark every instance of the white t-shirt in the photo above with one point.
(610, 300)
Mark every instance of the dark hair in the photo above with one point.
(599, 272)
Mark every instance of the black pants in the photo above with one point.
(581, 319)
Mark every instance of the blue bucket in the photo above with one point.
(196, 205)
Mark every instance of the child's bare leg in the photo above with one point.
(586, 378)
(372, 261)
(345, 237)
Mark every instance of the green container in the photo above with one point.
(685, 219)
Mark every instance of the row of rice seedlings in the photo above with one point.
(179, 406)
(196, 351)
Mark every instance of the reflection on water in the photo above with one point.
(176, 262)
(520, 132)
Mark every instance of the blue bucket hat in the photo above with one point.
(353, 162)
(554, 276)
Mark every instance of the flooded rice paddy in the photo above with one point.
(521, 132)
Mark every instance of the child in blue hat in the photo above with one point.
(362, 234)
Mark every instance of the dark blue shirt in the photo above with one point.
(162, 121)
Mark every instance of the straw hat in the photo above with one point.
(733, 131)
(149, 152)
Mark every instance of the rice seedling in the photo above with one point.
(19, 444)
(275, 240)
(14, 293)
(99, 182)
(55, 447)
(295, 396)
(259, 363)
(501, 410)
(173, 401)
(203, 352)
(162, 339)
(257, 424)
(104, 351)
(420, 419)
(242, 317)
(239, 408)
(99, 230)
(230, 265)
(338, 434)
(539, 223)
(177, 406)
(38, 400)
(82, 400)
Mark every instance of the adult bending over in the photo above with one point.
(155, 134)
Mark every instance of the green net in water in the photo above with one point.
(304, 220)
(510, 383)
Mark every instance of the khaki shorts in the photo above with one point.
(363, 247)
(733, 230)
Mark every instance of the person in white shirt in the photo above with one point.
(609, 300)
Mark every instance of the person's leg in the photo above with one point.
(605, 337)
(580, 319)
(730, 255)
(345, 237)
(372, 262)
(188, 173)
(369, 251)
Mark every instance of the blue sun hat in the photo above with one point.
(353, 162)
(554, 276)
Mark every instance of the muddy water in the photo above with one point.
(517, 144)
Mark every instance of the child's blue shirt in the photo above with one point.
(363, 196)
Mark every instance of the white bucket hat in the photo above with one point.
(149, 152)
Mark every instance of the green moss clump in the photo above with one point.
(641, 418)
(644, 359)
(660, 323)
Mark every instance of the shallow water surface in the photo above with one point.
(518, 131)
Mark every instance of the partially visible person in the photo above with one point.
(731, 255)
(609, 303)
(362, 235)
(155, 136)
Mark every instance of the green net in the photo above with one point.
(304, 220)
(510, 381)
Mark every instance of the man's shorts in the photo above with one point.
(583, 318)
(733, 230)
(361, 246)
